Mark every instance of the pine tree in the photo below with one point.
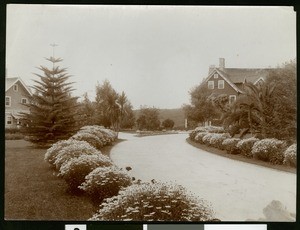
(53, 109)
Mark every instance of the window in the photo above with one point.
(232, 99)
(8, 120)
(215, 75)
(16, 87)
(24, 101)
(211, 85)
(221, 84)
(7, 101)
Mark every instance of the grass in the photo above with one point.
(33, 192)
(241, 157)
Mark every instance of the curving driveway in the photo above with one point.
(237, 190)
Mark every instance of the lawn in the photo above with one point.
(33, 192)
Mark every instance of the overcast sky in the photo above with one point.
(155, 54)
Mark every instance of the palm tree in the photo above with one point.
(258, 106)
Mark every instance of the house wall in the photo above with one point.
(15, 106)
(227, 88)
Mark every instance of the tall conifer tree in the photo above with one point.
(53, 109)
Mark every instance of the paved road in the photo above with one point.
(238, 191)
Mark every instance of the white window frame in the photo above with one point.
(216, 75)
(219, 81)
(9, 119)
(211, 85)
(26, 100)
(8, 97)
(230, 100)
(16, 87)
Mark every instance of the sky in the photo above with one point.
(155, 54)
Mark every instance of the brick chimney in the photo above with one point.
(222, 63)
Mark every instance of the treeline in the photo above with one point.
(56, 115)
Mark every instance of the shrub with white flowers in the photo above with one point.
(51, 154)
(229, 145)
(217, 139)
(75, 170)
(106, 136)
(205, 129)
(199, 137)
(88, 137)
(270, 150)
(105, 182)
(154, 202)
(245, 146)
(74, 150)
(290, 156)
(207, 137)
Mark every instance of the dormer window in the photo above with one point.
(211, 84)
(216, 75)
(15, 87)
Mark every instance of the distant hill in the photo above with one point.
(177, 115)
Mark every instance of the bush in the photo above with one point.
(199, 137)
(51, 154)
(154, 202)
(270, 150)
(206, 138)
(245, 146)
(88, 137)
(217, 139)
(290, 156)
(205, 129)
(106, 136)
(75, 170)
(74, 150)
(105, 182)
(229, 145)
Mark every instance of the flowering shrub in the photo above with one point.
(290, 156)
(229, 145)
(154, 202)
(105, 135)
(207, 137)
(51, 154)
(74, 150)
(217, 139)
(88, 137)
(245, 146)
(205, 129)
(199, 137)
(75, 170)
(105, 182)
(270, 150)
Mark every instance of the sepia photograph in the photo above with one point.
(151, 113)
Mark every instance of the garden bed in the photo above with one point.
(241, 157)
(32, 192)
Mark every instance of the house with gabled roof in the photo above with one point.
(17, 95)
(230, 81)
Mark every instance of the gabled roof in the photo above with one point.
(239, 75)
(9, 82)
(225, 77)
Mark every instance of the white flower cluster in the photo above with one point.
(245, 146)
(51, 154)
(200, 136)
(84, 161)
(266, 145)
(88, 137)
(74, 150)
(104, 178)
(290, 155)
(154, 202)
(217, 139)
(231, 141)
(269, 149)
(210, 129)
